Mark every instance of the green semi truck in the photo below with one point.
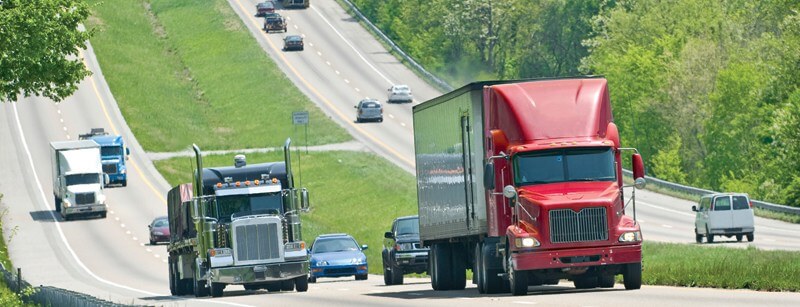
(237, 225)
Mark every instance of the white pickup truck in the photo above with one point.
(78, 178)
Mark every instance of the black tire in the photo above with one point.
(362, 276)
(152, 242)
(709, 237)
(458, 267)
(517, 280)
(58, 204)
(125, 182)
(301, 283)
(493, 283)
(273, 287)
(441, 278)
(585, 282)
(173, 282)
(477, 270)
(739, 238)
(251, 287)
(380, 120)
(199, 288)
(217, 289)
(632, 277)
(103, 215)
(287, 285)
(358, 119)
(397, 274)
(750, 237)
(387, 274)
(606, 281)
(698, 237)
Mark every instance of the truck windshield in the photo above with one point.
(75, 179)
(111, 151)
(563, 165)
(240, 205)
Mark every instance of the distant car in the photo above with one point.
(293, 42)
(337, 255)
(369, 110)
(400, 93)
(159, 230)
(402, 251)
(274, 22)
(264, 8)
(724, 214)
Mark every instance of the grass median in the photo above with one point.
(355, 193)
(189, 71)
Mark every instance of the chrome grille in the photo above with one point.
(110, 168)
(257, 242)
(84, 198)
(590, 224)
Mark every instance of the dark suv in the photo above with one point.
(402, 251)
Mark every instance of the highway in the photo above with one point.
(111, 259)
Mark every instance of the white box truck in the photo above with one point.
(78, 178)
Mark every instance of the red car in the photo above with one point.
(265, 8)
(159, 230)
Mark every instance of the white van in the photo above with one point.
(723, 214)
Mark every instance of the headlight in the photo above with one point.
(631, 236)
(158, 233)
(101, 199)
(122, 171)
(526, 242)
(67, 204)
(357, 261)
(404, 246)
(322, 263)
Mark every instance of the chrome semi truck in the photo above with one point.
(237, 225)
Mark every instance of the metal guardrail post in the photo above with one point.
(19, 280)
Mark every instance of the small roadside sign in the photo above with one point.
(300, 118)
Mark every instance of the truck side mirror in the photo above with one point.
(388, 235)
(694, 208)
(106, 180)
(304, 202)
(127, 153)
(638, 171)
(488, 176)
(364, 247)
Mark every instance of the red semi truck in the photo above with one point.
(521, 182)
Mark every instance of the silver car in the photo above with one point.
(400, 93)
(369, 110)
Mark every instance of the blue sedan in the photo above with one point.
(337, 255)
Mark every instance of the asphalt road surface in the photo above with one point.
(111, 259)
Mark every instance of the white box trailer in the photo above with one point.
(78, 178)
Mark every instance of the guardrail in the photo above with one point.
(700, 192)
(414, 65)
(51, 296)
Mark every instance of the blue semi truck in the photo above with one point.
(113, 154)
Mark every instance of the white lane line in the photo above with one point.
(346, 81)
(351, 46)
(117, 217)
(140, 244)
(391, 116)
(337, 72)
(148, 250)
(68, 137)
(111, 211)
(319, 53)
(137, 239)
(58, 111)
(65, 129)
(164, 260)
(295, 27)
(310, 45)
(129, 232)
(62, 121)
(303, 35)
(327, 62)
(666, 226)
(122, 225)
(157, 255)
(403, 124)
(358, 90)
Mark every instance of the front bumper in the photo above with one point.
(85, 209)
(731, 231)
(417, 259)
(579, 257)
(339, 270)
(259, 273)
(117, 177)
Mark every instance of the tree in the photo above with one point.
(40, 43)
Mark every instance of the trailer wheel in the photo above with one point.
(216, 289)
(633, 276)
(273, 287)
(477, 270)
(173, 283)
(441, 278)
(301, 283)
(458, 267)
(200, 289)
(517, 280)
(739, 237)
(287, 285)
(750, 237)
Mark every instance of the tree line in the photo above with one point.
(707, 90)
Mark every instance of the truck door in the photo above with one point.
(701, 216)
(466, 160)
(721, 215)
(741, 214)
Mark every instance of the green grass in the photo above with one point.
(355, 193)
(719, 267)
(7, 297)
(189, 71)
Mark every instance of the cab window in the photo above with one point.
(722, 203)
(705, 204)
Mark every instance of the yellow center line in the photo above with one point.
(317, 93)
(116, 132)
